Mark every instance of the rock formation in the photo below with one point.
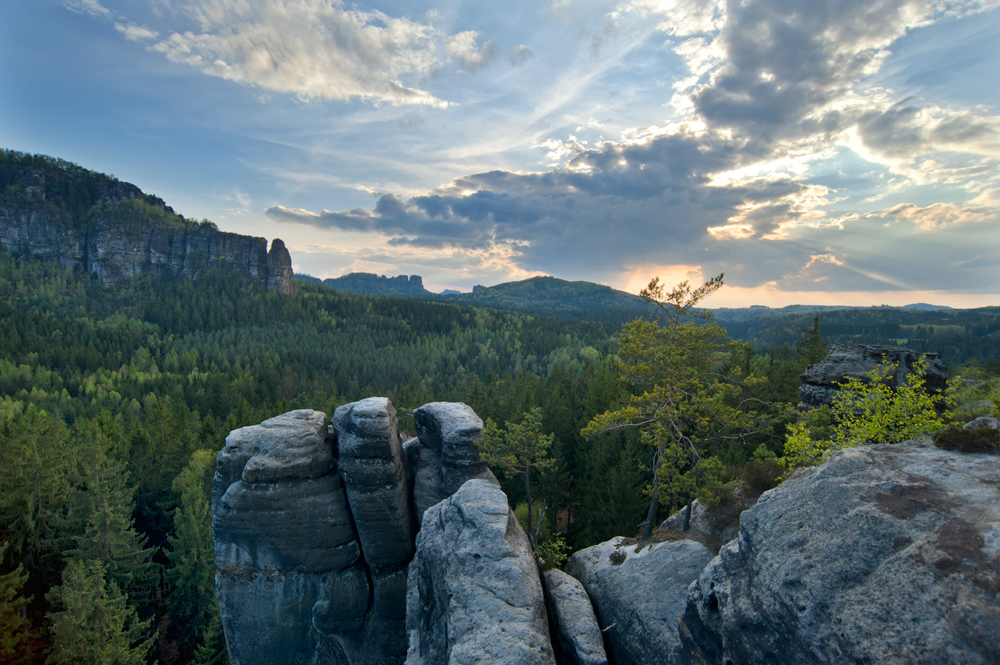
(638, 591)
(315, 527)
(474, 594)
(379, 285)
(114, 249)
(884, 554)
(284, 541)
(819, 381)
(576, 633)
(444, 455)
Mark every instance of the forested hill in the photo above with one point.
(94, 223)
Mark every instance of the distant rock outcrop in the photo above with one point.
(379, 285)
(125, 233)
(474, 594)
(819, 381)
(884, 554)
(638, 592)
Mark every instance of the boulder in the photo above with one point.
(638, 592)
(446, 454)
(473, 591)
(884, 554)
(819, 381)
(571, 616)
(710, 527)
(983, 422)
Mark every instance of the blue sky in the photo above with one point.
(826, 152)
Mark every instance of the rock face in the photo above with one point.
(445, 453)
(284, 542)
(571, 617)
(314, 530)
(474, 594)
(819, 381)
(883, 554)
(640, 591)
(124, 248)
(372, 284)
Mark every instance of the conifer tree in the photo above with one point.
(191, 575)
(15, 634)
(92, 621)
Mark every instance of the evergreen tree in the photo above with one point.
(92, 621)
(191, 575)
(110, 536)
(812, 348)
(519, 447)
(15, 633)
(683, 406)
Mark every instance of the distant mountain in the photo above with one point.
(924, 307)
(90, 222)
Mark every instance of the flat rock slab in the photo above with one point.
(473, 593)
(639, 591)
(884, 554)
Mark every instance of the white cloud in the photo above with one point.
(315, 49)
(463, 49)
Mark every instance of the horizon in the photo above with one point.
(836, 153)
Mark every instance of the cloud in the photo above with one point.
(89, 7)
(462, 48)
(135, 33)
(937, 215)
(314, 49)
(521, 55)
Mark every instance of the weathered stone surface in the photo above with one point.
(712, 528)
(473, 593)
(448, 452)
(640, 591)
(571, 617)
(983, 422)
(819, 381)
(373, 466)
(884, 554)
(286, 553)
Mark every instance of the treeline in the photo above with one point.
(114, 402)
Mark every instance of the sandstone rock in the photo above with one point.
(983, 422)
(884, 554)
(285, 550)
(473, 593)
(712, 528)
(638, 592)
(819, 381)
(571, 616)
(373, 466)
(448, 453)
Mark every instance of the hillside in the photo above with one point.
(90, 222)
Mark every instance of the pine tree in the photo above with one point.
(92, 621)
(191, 575)
(15, 634)
(812, 348)
(110, 536)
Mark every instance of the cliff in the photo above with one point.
(86, 221)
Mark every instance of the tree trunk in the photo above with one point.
(687, 515)
(654, 504)
(527, 489)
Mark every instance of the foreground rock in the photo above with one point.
(473, 593)
(445, 453)
(885, 554)
(571, 617)
(638, 593)
(819, 381)
(283, 540)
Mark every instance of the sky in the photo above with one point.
(836, 152)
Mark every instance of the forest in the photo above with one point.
(115, 400)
